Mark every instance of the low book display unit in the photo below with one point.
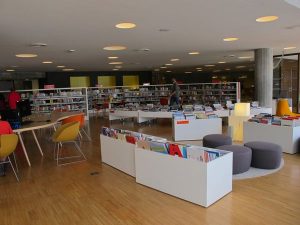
(193, 127)
(193, 173)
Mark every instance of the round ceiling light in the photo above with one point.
(26, 55)
(221, 62)
(114, 48)
(194, 53)
(266, 19)
(210, 65)
(228, 39)
(115, 69)
(245, 57)
(187, 72)
(169, 64)
(68, 69)
(116, 63)
(168, 71)
(113, 57)
(9, 70)
(47, 62)
(289, 48)
(174, 60)
(125, 25)
(61, 66)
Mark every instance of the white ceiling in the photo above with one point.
(88, 26)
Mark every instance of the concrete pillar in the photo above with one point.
(264, 76)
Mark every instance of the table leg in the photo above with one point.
(24, 149)
(37, 143)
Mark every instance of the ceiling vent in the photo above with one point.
(38, 44)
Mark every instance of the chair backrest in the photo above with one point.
(8, 143)
(66, 132)
(76, 118)
(283, 108)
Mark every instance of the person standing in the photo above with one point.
(13, 98)
(175, 92)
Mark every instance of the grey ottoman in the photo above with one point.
(265, 155)
(215, 140)
(241, 157)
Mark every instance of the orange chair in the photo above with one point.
(77, 118)
(283, 108)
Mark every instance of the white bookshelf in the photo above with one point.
(49, 100)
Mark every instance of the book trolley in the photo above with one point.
(200, 182)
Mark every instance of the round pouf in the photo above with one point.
(216, 140)
(265, 155)
(241, 157)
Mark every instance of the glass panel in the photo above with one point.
(285, 79)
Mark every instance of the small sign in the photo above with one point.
(182, 122)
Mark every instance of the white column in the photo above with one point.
(264, 76)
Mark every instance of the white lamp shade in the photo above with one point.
(242, 109)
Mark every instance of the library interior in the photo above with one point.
(150, 112)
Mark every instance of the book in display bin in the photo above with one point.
(161, 145)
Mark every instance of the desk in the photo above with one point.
(40, 122)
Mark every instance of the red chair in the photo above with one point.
(164, 101)
(77, 118)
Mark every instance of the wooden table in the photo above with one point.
(41, 122)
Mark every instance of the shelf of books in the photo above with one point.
(196, 93)
(194, 126)
(54, 99)
(193, 173)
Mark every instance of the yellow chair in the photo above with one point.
(283, 108)
(66, 133)
(8, 144)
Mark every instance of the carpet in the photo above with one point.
(255, 172)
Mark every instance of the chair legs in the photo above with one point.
(85, 133)
(57, 152)
(8, 161)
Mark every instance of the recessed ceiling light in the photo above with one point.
(238, 67)
(265, 19)
(115, 69)
(68, 69)
(71, 50)
(221, 62)
(216, 71)
(61, 66)
(118, 67)
(230, 39)
(194, 53)
(169, 64)
(174, 60)
(47, 62)
(214, 77)
(113, 57)
(209, 65)
(199, 68)
(9, 70)
(156, 70)
(227, 69)
(289, 48)
(244, 57)
(26, 55)
(168, 71)
(114, 48)
(163, 67)
(187, 72)
(115, 63)
(125, 25)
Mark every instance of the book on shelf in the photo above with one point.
(177, 150)
(143, 144)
